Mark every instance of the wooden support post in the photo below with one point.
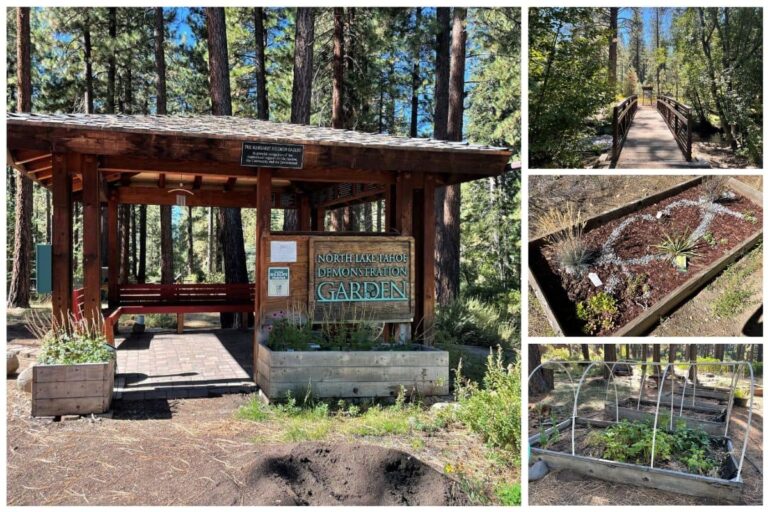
(62, 238)
(263, 226)
(426, 249)
(689, 139)
(318, 219)
(304, 213)
(179, 323)
(615, 132)
(390, 208)
(403, 217)
(113, 254)
(91, 238)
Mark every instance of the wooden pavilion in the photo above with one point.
(107, 160)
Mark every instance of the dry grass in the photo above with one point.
(714, 186)
(565, 230)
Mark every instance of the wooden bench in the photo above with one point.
(140, 299)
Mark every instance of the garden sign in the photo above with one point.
(361, 279)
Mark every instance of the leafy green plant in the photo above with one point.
(494, 410)
(631, 442)
(71, 341)
(599, 312)
(287, 333)
(677, 245)
(509, 495)
(709, 238)
(470, 321)
(750, 217)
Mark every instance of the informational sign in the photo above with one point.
(359, 279)
(282, 251)
(286, 156)
(278, 282)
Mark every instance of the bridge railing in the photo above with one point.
(678, 119)
(623, 114)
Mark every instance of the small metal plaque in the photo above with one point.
(285, 156)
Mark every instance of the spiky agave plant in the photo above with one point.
(674, 246)
(565, 234)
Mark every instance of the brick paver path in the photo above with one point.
(193, 364)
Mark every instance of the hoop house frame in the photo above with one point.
(650, 475)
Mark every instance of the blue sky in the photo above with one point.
(649, 20)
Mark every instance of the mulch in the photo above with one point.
(637, 239)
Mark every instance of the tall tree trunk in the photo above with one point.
(350, 62)
(262, 102)
(87, 50)
(719, 352)
(449, 235)
(585, 351)
(235, 270)
(20, 286)
(166, 221)
(337, 107)
(191, 243)
(111, 60)
(657, 359)
(539, 383)
(141, 276)
(134, 242)
(211, 242)
(692, 359)
(440, 116)
(301, 95)
(609, 355)
(613, 48)
(415, 76)
(124, 213)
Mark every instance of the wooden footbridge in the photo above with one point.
(652, 137)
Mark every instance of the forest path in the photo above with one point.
(651, 145)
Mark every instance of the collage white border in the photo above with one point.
(525, 339)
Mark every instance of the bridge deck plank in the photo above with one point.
(650, 143)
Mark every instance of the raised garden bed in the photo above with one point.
(62, 389)
(352, 374)
(638, 284)
(669, 475)
(711, 423)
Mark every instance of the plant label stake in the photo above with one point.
(681, 263)
(595, 279)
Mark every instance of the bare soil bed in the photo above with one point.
(636, 240)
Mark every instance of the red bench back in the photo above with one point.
(78, 303)
(185, 294)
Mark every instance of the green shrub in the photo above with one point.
(493, 411)
(161, 321)
(75, 347)
(472, 322)
(288, 334)
(509, 494)
(599, 312)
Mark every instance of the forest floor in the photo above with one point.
(563, 487)
(207, 451)
(596, 194)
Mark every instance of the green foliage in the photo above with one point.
(599, 312)
(676, 245)
(289, 334)
(163, 321)
(735, 297)
(494, 410)
(75, 347)
(568, 82)
(509, 495)
(468, 321)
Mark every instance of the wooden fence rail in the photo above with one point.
(623, 114)
(678, 119)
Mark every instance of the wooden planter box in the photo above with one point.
(59, 389)
(635, 474)
(368, 374)
(642, 323)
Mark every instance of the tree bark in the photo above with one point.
(19, 287)
(657, 359)
(125, 242)
(538, 383)
(111, 60)
(585, 352)
(166, 227)
(260, 70)
(609, 355)
(235, 270)
(448, 237)
(613, 47)
(415, 76)
(337, 108)
(191, 243)
(440, 116)
(87, 50)
(141, 276)
(719, 352)
(692, 359)
(134, 242)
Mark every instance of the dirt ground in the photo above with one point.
(596, 194)
(198, 452)
(561, 487)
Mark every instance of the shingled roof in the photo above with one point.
(240, 128)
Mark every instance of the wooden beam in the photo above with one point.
(318, 216)
(263, 227)
(230, 184)
(91, 239)
(425, 245)
(113, 252)
(62, 239)
(161, 181)
(304, 213)
(29, 159)
(203, 197)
